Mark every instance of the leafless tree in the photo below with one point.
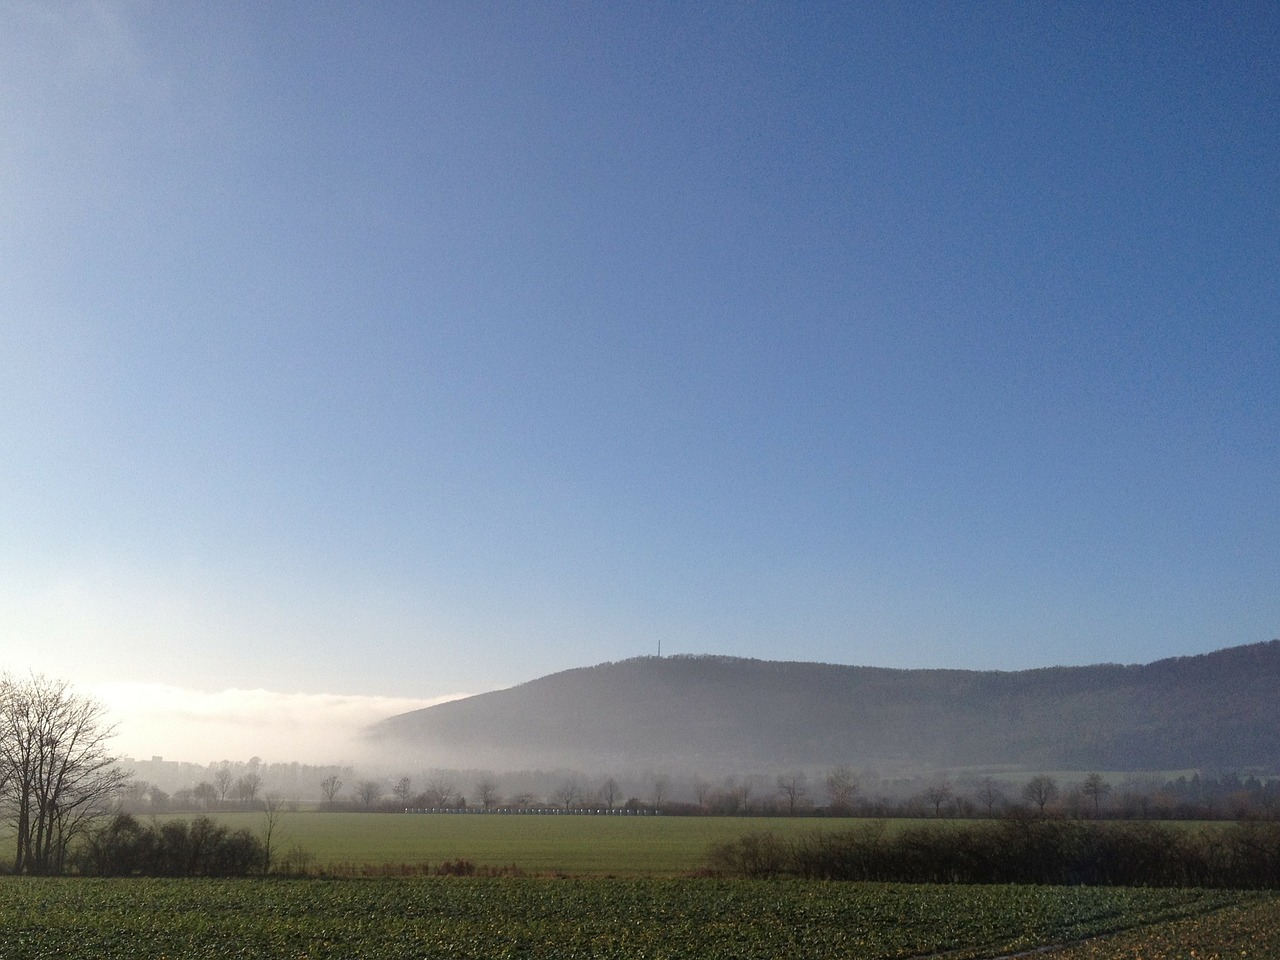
(658, 790)
(794, 789)
(990, 795)
(1095, 788)
(438, 793)
(1040, 791)
(329, 787)
(247, 787)
(272, 810)
(368, 792)
(486, 790)
(609, 791)
(737, 794)
(842, 787)
(55, 768)
(702, 792)
(936, 795)
(223, 780)
(402, 791)
(204, 793)
(567, 794)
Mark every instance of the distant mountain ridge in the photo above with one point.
(1215, 711)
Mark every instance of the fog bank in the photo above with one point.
(202, 726)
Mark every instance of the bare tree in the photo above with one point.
(55, 769)
(329, 787)
(204, 793)
(658, 790)
(402, 791)
(486, 790)
(794, 788)
(842, 787)
(223, 780)
(737, 794)
(609, 792)
(990, 795)
(438, 793)
(247, 788)
(1040, 791)
(1095, 788)
(368, 792)
(272, 810)
(567, 794)
(936, 795)
(702, 791)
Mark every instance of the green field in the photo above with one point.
(578, 845)
(80, 919)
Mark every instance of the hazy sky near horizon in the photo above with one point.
(398, 350)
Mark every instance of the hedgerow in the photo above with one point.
(1019, 850)
(174, 848)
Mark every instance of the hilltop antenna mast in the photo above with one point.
(659, 648)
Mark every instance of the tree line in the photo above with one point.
(839, 792)
(1018, 849)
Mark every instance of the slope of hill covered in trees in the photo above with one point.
(1216, 710)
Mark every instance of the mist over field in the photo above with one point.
(198, 725)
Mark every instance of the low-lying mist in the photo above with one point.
(200, 726)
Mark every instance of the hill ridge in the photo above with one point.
(692, 711)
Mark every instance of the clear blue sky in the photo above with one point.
(413, 348)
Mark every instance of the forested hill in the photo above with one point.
(1217, 711)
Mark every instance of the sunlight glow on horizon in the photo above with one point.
(196, 726)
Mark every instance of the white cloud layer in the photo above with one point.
(200, 726)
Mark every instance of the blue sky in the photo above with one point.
(407, 349)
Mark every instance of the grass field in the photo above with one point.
(578, 918)
(577, 845)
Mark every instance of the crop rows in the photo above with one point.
(536, 918)
(1248, 931)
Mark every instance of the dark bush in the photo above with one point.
(123, 847)
(1019, 850)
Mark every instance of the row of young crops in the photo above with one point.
(536, 918)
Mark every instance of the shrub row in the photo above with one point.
(1019, 850)
(176, 848)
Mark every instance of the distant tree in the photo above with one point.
(702, 792)
(247, 787)
(1095, 788)
(794, 789)
(204, 793)
(566, 795)
(609, 792)
(402, 791)
(272, 810)
(842, 787)
(990, 795)
(936, 795)
(329, 788)
(223, 780)
(134, 794)
(368, 792)
(658, 790)
(1040, 791)
(486, 791)
(737, 794)
(438, 794)
(157, 799)
(185, 798)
